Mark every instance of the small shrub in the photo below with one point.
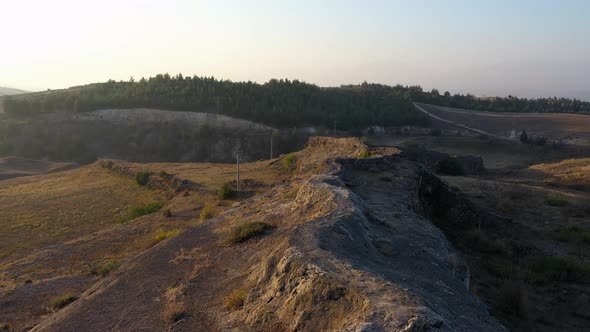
(143, 210)
(163, 235)
(106, 164)
(142, 177)
(244, 232)
(364, 154)
(557, 268)
(572, 234)
(289, 160)
(207, 212)
(235, 299)
(540, 141)
(450, 166)
(225, 192)
(557, 201)
(164, 174)
(174, 312)
(167, 213)
(105, 269)
(524, 138)
(60, 302)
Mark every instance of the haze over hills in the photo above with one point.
(4, 91)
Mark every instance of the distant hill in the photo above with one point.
(10, 91)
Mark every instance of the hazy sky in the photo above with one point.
(486, 46)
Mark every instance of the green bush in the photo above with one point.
(558, 268)
(235, 299)
(244, 232)
(105, 269)
(142, 177)
(289, 160)
(364, 154)
(225, 192)
(557, 201)
(59, 302)
(451, 166)
(573, 233)
(143, 210)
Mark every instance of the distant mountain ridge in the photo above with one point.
(10, 91)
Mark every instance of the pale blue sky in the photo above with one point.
(485, 47)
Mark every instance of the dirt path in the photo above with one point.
(478, 131)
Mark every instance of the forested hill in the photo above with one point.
(280, 103)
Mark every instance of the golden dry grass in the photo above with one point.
(571, 172)
(45, 209)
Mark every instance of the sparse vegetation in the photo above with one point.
(557, 200)
(163, 235)
(225, 192)
(364, 154)
(244, 232)
(61, 301)
(289, 160)
(167, 213)
(235, 299)
(142, 177)
(142, 210)
(558, 268)
(105, 269)
(572, 234)
(174, 312)
(450, 166)
(207, 212)
(106, 164)
(477, 239)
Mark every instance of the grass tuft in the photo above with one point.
(235, 299)
(163, 235)
(174, 312)
(225, 192)
(289, 160)
(572, 234)
(142, 210)
(243, 233)
(105, 269)
(60, 302)
(207, 212)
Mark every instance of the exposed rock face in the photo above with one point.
(351, 252)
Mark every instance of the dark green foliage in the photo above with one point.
(142, 177)
(557, 201)
(557, 268)
(280, 103)
(105, 269)
(450, 166)
(225, 192)
(139, 211)
(573, 234)
(524, 137)
(243, 233)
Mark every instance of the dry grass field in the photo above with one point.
(572, 128)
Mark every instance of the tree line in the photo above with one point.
(279, 103)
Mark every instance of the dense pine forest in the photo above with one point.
(280, 103)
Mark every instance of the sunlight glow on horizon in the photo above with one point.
(455, 45)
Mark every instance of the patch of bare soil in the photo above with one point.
(344, 247)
